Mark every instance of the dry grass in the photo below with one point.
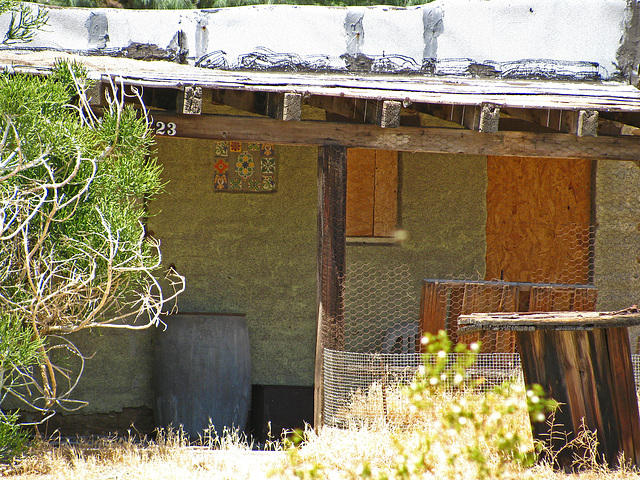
(340, 453)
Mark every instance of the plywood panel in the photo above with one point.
(538, 216)
(386, 193)
(360, 191)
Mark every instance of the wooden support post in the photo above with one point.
(190, 100)
(95, 94)
(332, 208)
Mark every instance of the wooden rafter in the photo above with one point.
(277, 105)
(419, 139)
(385, 113)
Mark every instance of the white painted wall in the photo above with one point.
(478, 31)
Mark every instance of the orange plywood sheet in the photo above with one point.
(386, 193)
(538, 217)
(361, 165)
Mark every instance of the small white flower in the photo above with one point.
(463, 420)
(457, 379)
(433, 380)
(442, 354)
(495, 416)
(474, 347)
(424, 340)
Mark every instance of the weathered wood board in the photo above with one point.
(372, 192)
(416, 139)
(443, 301)
(583, 361)
(590, 374)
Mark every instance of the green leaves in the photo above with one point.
(73, 252)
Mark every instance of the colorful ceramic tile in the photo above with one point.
(222, 149)
(268, 165)
(245, 165)
(267, 149)
(221, 165)
(268, 183)
(254, 185)
(220, 181)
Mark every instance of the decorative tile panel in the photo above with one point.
(245, 167)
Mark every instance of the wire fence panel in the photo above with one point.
(364, 388)
(553, 243)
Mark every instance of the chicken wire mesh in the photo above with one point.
(592, 266)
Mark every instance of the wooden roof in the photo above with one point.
(462, 90)
(541, 118)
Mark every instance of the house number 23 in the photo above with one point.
(166, 128)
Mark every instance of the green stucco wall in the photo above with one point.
(245, 253)
(256, 253)
(617, 239)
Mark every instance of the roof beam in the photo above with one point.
(384, 113)
(419, 139)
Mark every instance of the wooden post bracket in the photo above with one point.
(587, 123)
(190, 100)
(489, 118)
(390, 114)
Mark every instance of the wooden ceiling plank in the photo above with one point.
(628, 118)
(384, 113)
(419, 139)
(277, 105)
(564, 121)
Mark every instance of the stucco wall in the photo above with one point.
(246, 253)
(617, 240)
(256, 253)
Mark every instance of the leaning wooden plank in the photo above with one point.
(548, 320)
(433, 308)
(419, 139)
